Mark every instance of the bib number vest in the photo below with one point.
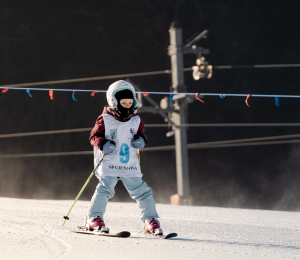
(123, 162)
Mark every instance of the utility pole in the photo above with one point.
(178, 110)
(175, 51)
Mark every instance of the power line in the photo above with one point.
(201, 146)
(46, 132)
(45, 154)
(141, 74)
(277, 137)
(156, 148)
(64, 131)
(246, 144)
(64, 81)
(262, 66)
(266, 66)
(219, 145)
(232, 125)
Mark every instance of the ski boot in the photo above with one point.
(96, 224)
(152, 225)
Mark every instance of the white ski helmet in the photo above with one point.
(118, 86)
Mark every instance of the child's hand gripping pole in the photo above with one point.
(86, 183)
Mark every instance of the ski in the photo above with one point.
(151, 235)
(81, 230)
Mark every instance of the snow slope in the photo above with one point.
(32, 229)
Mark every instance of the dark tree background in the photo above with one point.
(52, 40)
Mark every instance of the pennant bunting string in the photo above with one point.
(5, 88)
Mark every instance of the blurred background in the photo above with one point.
(55, 40)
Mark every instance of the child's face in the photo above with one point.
(126, 102)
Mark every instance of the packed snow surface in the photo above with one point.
(32, 229)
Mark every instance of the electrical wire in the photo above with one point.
(64, 81)
(76, 130)
(46, 132)
(229, 125)
(217, 144)
(247, 144)
(2, 156)
(266, 66)
(262, 66)
(244, 140)
(220, 145)
(150, 73)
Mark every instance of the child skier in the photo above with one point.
(118, 132)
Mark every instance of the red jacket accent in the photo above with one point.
(97, 136)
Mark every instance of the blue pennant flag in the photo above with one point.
(28, 92)
(277, 101)
(73, 96)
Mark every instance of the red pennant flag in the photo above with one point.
(4, 90)
(246, 101)
(51, 94)
(199, 98)
(145, 94)
(93, 94)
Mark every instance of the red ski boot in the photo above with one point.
(96, 223)
(152, 225)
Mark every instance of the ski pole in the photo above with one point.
(138, 155)
(86, 183)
